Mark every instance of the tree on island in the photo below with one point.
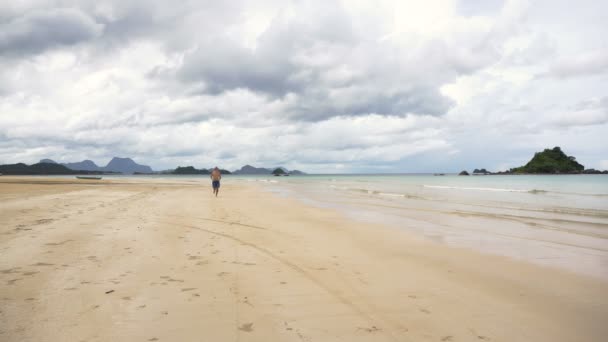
(279, 172)
(189, 170)
(550, 161)
(41, 169)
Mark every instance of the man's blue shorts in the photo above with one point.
(216, 184)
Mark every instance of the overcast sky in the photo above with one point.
(321, 86)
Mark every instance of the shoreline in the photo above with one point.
(183, 265)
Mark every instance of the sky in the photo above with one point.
(320, 86)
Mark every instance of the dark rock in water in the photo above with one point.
(481, 171)
(126, 165)
(463, 173)
(594, 172)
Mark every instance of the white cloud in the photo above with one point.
(322, 86)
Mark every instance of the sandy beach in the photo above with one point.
(163, 260)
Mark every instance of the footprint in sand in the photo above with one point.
(370, 330)
(248, 327)
(10, 270)
(42, 264)
(446, 338)
(57, 243)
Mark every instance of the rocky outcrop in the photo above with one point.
(127, 166)
(87, 165)
(251, 170)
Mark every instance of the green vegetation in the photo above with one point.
(278, 172)
(40, 169)
(550, 161)
(189, 170)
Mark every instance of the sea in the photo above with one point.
(553, 220)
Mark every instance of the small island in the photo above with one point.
(279, 172)
(550, 161)
(191, 170)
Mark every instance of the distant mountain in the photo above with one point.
(36, 169)
(126, 165)
(47, 161)
(118, 165)
(87, 165)
(250, 170)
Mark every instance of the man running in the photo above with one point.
(216, 175)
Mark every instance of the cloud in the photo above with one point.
(587, 113)
(324, 86)
(38, 30)
(591, 63)
(330, 66)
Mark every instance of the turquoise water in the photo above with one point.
(558, 221)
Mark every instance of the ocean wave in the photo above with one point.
(375, 192)
(482, 189)
(530, 191)
(266, 180)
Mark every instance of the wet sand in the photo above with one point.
(163, 260)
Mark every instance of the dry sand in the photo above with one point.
(163, 260)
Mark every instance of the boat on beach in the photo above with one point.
(89, 177)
